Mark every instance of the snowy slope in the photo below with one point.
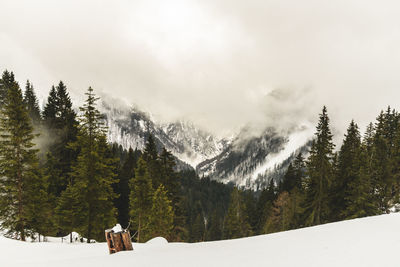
(373, 241)
(251, 160)
(295, 140)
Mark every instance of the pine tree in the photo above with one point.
(299, 169)
(289, 179)
(50, 109)
(396, 165)
(198, 228)
(70, 210)
(61, 123)
(250, 209)
(150, 155)
(381, 164)
(214, 231)
(368, 138)
(170, 180)
(53, 174)
(349, 164)
(295, 206)
(93, 173)
(264, 205)
(150, 150)
(60, 129)
(141, 198)
(281, 215)
(38, 205)
(168, 176)
(236, 222)
(320, 171)
(123, 188)
(162, 215)
(22, 187)
(296, 191)
(7, 81)
(32, 104)
(294, 176)
(360, 196)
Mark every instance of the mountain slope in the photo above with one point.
(130, 127)
(252, 160)
(241, 158)
(371, 241)
(193, 145)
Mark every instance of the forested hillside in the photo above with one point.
(59, 174)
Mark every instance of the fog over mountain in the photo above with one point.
(220, 64)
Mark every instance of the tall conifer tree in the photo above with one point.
(124, 190)
(281, 214)
(161, 217)
(360, 201)
(32, 104)
(170, 181)
(150, 155)
(60, 120)
(50, 109)
(236, 222)
(93, 173)
(320, 171)
(382, 174)
(7, 80)
(23, 198)
(264, 205)
(349, 170)
(141, 199)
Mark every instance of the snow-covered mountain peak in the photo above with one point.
(196, 144)
(130, 127)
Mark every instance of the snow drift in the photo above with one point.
(372, 241)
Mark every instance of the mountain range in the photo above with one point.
(249, 158)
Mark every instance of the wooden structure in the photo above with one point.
(119, 241)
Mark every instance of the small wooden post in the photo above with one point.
(118, 241)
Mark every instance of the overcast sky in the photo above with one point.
(219, 63)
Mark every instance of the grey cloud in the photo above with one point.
(219, 63)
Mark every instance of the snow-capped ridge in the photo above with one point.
(130, 127)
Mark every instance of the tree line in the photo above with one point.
(58, 174)
(360, 179)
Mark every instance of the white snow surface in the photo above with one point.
(372, 241)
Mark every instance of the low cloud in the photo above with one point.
(221, 64)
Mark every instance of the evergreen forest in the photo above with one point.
(59, 174)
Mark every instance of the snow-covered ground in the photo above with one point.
(373, 241)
